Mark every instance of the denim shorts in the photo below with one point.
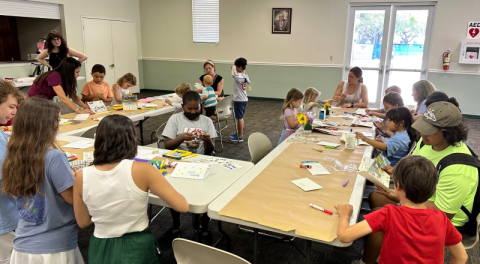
(239, 108)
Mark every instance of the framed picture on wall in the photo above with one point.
(281, 20)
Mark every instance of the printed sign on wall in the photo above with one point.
(473, 30)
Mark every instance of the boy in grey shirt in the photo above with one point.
(240, 98)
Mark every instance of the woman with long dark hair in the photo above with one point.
(57, 50)
(61, 82)
(352, 93)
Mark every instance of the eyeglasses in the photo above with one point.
(56, 39)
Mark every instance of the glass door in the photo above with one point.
(408, 52)
(388, 42)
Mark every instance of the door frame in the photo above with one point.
(387, 40)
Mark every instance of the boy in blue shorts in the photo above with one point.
(240, 98)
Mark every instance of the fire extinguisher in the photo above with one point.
(446, 60)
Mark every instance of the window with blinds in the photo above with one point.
(20, 8)
(206, 22)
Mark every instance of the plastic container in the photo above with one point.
(350, 141)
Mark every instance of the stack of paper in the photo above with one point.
(306, 184)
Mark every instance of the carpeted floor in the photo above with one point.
(260, 116)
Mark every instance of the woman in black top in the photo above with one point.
(209, 68)
(57, 50)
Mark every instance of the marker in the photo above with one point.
(305, 166)
(351, 130)
(330, 147)
(164, 172)
(321, 209)
(72, 159)
(191, 156)
(346, 182)
(319, 150)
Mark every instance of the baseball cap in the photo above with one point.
(437, 116)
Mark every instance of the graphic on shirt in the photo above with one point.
(195, 131)
(430, 115)
(33, 209)
(244, 85)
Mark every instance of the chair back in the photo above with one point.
(64, 108)
(470, 241)
(90, 133)
(190, 252)
(225, 108)
(412, 147)
(259, 146)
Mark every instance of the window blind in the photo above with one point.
(21, 8)
(206, 22)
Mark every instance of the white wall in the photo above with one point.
(318, 31)
(31, 29)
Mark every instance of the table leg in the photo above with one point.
(224, 236)
(255, 246)
(140, 126)
(309, 251)
(196, 226)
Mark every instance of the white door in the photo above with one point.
(125, 50)
(97, 39)
(391, 44)
(113, 44)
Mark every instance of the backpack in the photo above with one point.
(470, 227)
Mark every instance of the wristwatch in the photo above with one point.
(352, 105)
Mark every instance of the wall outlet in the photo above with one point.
(249, 88)
(331, 57)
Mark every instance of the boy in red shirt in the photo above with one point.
(413, 233)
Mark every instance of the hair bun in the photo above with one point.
(453, 101)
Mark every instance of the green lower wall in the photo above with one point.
(267, 81)
(274, 81)
(270, 81)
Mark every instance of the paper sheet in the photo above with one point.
(195, 171)
(148, 154)
(317, 168)
(82, 144)
(361, 111)
(88, 156)
(82, 117)
(306, 184)
(325, 143)
(97, 106)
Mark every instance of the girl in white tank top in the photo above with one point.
(113, 194)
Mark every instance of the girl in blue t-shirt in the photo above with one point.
(399, 121)
(38, 175)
